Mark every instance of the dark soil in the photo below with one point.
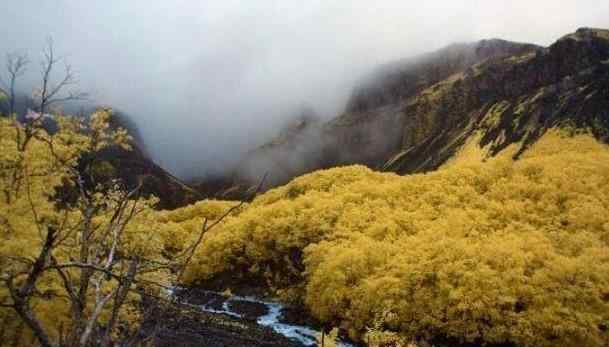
(298, 316)
(248, 310)
(243, 285)
(214, 330)
(201, 297)
(204, 329)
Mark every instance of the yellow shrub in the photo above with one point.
(502, 251)
(180, 227)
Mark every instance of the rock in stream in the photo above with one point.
(236, 321)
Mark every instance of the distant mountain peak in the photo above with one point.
(588, 34)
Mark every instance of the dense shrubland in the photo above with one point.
(487, 250)
(179, 228)
(484, 250)
(500, 251)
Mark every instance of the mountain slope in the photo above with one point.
(413, 115)
(399, 80)
(509, 100)
(135, 166)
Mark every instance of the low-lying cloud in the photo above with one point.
(207, 80)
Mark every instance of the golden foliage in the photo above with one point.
(514, 251)
(34, 167)
(329, 340)
(500, 251)
(376, 336)
(181, 226)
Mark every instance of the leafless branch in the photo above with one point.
(15, 66)
(21, 296)
(51, 94)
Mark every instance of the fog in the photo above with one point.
(207, 80)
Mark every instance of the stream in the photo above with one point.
(270, 314)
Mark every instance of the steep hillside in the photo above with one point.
(509, 99)
(135, 166)
(399, 80)
(411, 116)
(131, 166)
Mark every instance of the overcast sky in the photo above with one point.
(206, 80)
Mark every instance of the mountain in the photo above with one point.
(131, 166)
(128, 166)
(135, 166)
(413, 115)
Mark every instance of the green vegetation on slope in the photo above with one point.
(501, 251)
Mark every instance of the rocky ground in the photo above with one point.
(200, 328)
(218, 330)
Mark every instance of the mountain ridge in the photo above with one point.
(413, 115)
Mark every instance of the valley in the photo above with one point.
(460, 198)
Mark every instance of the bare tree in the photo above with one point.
(15, 66)
(48, 92)
(98, 264)
(51, 93)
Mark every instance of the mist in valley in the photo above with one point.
(207, 81)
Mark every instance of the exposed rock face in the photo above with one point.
(397, 81)
(135, 166)
(411, 116)
(509, 99)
